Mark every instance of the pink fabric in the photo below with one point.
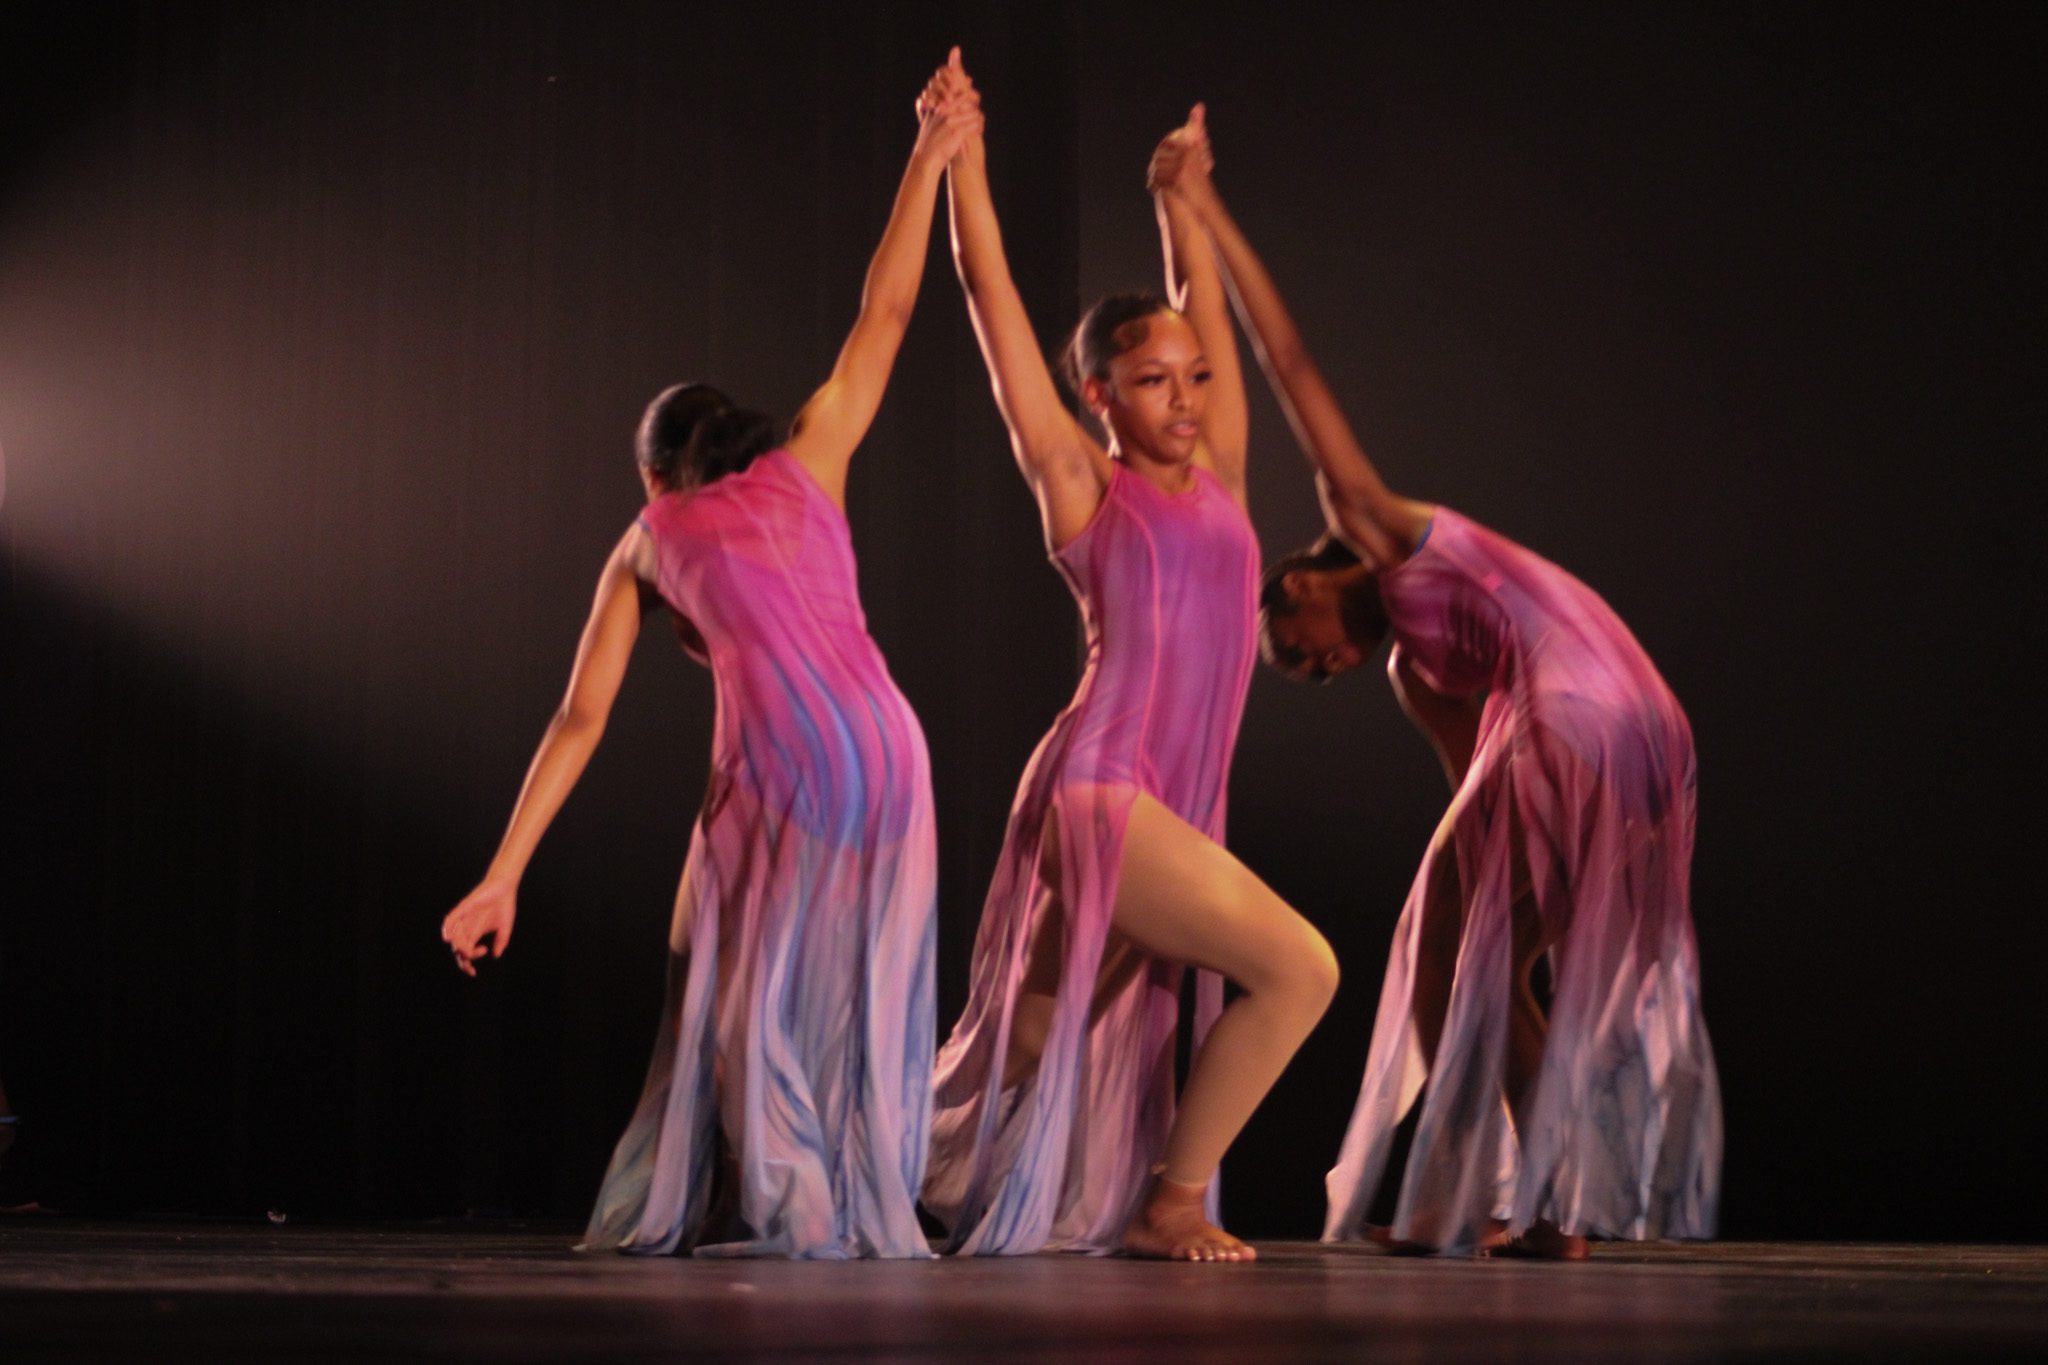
(1166, 584)
(1584, 774)
(800, 1006)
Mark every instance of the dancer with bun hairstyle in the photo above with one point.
(1056, 1122)
(786, 1110)
(1569, 839)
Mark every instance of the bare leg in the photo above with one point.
(1438, 935)
(1184, 898)
(1031, 1017)
(1528, 1028)
(1436, 949)
(1527, 1025)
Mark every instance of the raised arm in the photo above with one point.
(1065, 467)
(832, 423)
(607, 644)
(1380, 525)
(1194, 285)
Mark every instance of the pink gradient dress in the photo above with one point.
(1581, 795)
(1166, 584)
(800, 1008)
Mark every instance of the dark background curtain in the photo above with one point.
(323, 330)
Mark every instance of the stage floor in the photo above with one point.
(73, 1290)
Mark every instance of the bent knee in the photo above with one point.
(1306, 975)
(1320, 973)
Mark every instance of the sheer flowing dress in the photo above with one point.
(1579, 802)
(799, 1015)
(1166, 585)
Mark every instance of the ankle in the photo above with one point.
(1168, 1188)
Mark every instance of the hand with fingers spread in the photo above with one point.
(485, 913)
(1183, 161)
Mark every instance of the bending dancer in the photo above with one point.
(799, 1020)
(1056, 1125)
(1569, 838)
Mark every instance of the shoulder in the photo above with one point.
(1230, 477)
(663, 514)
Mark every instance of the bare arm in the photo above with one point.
(573, 733)
(1194, 285)
(830, 426)
(1380, 525)
(1066, 469)
(1451, 724)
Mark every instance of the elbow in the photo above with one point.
(1343, 492)
(578, 723)
(893, 309)
(882, 305)
(1289, 360)
(1353, 492)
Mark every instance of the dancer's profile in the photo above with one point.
(791, 1076)
(1568, 841)
(1056, 1124)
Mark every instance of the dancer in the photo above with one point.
(799, 1018)
(1569, 840)
(1056, 1125)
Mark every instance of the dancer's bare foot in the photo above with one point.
(1384, 1238)
(1494, 1238)
(1173, 1227)
(1544, 1241)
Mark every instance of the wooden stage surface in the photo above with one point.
(473, 1291)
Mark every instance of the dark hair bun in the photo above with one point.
(727, 442)
(692, 435)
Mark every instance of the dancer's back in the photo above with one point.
(802, 968)
(761, 564)
(1474, 611)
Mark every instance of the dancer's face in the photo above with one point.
(1311, 642)
(1156, 391)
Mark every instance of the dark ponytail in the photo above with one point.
(692, 435)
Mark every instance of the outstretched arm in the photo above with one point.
(1064, 466)
(838, 415)
(1380, 525)
(608, 636)
(1194, 285)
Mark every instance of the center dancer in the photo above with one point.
(1055, 1124)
